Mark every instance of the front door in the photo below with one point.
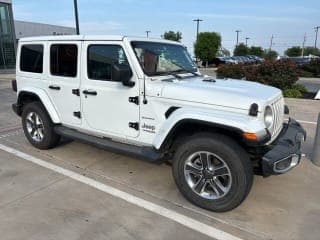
(105, 102)
(63, 80)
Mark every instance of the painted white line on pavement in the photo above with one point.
(155, 208)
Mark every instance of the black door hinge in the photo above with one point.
(76, 92)
(134, 100)
(134, 125)
(77, 114)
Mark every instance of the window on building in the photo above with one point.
(63, 60)
(31, 58)
(7, 40)
(101, 59)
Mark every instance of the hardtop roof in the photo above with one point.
(94, 38)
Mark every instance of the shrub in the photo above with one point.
(292, 93)
(280, 74)
(302, 89)
(306, 74)
(236, 71)
(313, 67)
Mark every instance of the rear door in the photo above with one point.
(106, 107)
(63, 80)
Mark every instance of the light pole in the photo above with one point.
(271, 43)
(315, 41)
(198, 21)
(147, 32)
(238, 31)
(247, 38)
(303, 44)
(76, 16)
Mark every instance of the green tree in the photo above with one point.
(174, 36)
(241, 50)
(294, 51)
(207, 46)
(311, 51)
(270, 54)
(255, 50)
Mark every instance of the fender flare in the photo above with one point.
(44, 99)
(236, 122)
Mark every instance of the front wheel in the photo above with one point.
(213, 172)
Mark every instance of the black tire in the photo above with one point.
(237, 160)
(50, 139)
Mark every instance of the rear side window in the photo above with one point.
(63, 60)
(31, 59)
(101, 59)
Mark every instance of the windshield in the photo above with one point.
(163, 58)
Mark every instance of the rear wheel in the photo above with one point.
(38, 127)
(213, 172)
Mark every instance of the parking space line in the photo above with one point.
(155, 208)
(302, 121)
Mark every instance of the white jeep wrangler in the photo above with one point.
(146, 98)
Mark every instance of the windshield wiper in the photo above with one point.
(183, 70)
(172, 73)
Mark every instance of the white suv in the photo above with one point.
(146, 98)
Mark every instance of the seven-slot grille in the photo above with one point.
(278, 117)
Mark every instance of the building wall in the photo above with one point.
(7, 36)
(31, 29)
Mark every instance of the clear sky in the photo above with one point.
(287, 20)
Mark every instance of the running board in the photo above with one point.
(145, 153)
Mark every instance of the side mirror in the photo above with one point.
(122, 73)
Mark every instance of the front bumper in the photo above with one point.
(285, 152)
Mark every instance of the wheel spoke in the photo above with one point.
(40, 132)
(38, 120)
(193, 170)
(217, 187)
(221, 171)
(32, 133)
(33, 117)
(204, 160)
(199, 186)
(29, 121)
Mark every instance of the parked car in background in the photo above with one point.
(250, 59)
(300, 61)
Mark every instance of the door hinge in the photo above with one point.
(134, 100)
(76, 92)
(134, 125)
(77, 114)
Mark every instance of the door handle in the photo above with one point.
(54, 87)
(89, 92)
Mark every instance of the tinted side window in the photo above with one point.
(101, 58)
(31, 59)
(63, 60)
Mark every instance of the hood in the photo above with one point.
(231, 93)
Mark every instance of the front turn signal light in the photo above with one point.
(250, 136)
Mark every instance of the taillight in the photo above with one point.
(14, 85)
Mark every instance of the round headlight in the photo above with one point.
(268, 117)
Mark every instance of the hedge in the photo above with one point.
(280, 74)
(312, 68)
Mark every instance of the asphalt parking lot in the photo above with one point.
(81, 192)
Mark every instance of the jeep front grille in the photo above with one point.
(278, 117)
